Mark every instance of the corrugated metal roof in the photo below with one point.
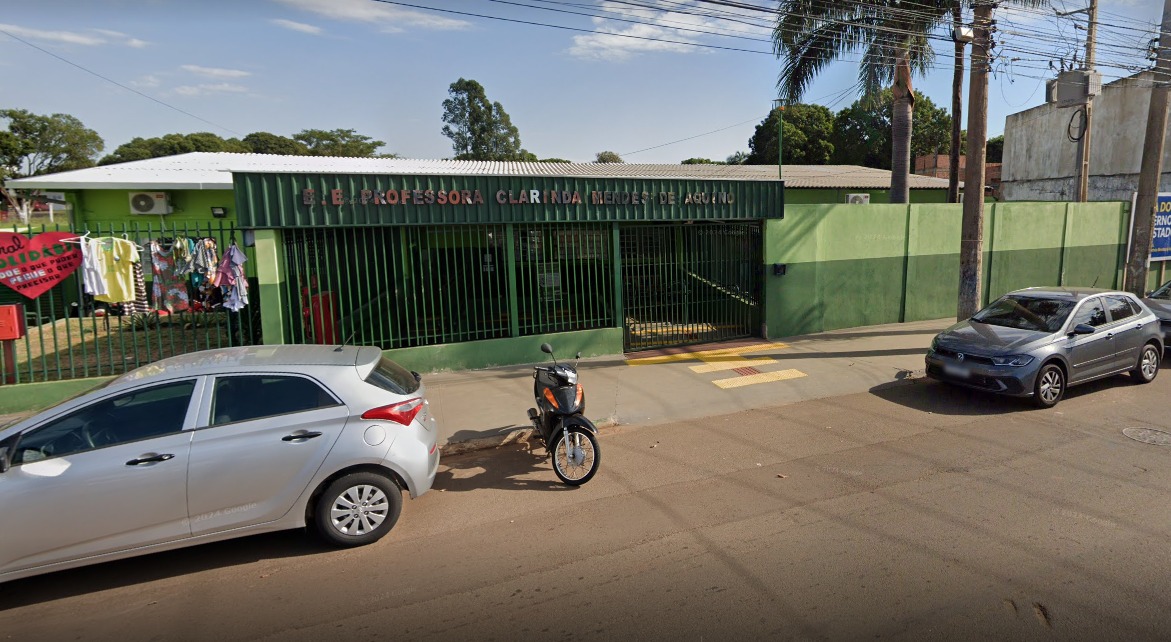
(213, 170)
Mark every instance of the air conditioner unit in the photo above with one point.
(858, 199)
(149, 203)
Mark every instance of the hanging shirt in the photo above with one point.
(230, 276)
(183, 252)
(93, 266)
(169, 288)
(120, 256)
(206, 261)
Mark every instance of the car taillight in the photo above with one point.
(400, 413)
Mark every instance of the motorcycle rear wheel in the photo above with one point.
(578, 464)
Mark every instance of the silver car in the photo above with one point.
(214, 445)
(1038, 341)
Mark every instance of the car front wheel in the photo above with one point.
(1147, 367)
(358, 509)
(1049, 386)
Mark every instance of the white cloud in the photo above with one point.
(387, 18)
(215, 72)
(621, 40)
(208, 89)
(67, 37)
(146, 82)
(297, 26)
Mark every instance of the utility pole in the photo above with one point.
(1083, 147)
(779, 106)
(1152, 164)
(972, 227)
(957, 105)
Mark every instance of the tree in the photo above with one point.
(700, 161)
(171, 145)
(555, 160)
(337, 142)
(608, 157)
(34, 144)
(995, 147)
(266, 143)
(478, 128)
(807, 133)
(738, 158)
(862, 131)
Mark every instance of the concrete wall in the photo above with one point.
(1040, 160)
(850, 266)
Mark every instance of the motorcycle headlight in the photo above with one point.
(1015, 360)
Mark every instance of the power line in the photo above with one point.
(115, 82)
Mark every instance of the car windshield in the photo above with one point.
(1163, 292)
(1026, 312)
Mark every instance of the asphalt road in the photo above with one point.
(912, 511)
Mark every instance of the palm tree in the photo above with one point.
(892, 37)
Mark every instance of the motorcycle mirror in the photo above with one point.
(546, 348)
(578, 355)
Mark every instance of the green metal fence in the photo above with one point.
(69, 335)
(689, 283)
(405, 286)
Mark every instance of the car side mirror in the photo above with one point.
(6, 453)
(1084, 328)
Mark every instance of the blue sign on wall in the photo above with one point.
(1161, 232)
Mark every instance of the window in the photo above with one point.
(1120, 308)
(390, 376)
(242, 398)
(1091, 313)
(1026, 313)
(140, 414)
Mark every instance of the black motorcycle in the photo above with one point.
(559, 419)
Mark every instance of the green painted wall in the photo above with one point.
(31, 397)
(852, 266)
(511, 351)
(190, 207)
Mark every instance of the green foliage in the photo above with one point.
(142, 321)
(995, 149)
(862, 131)
(35, 144)
(608, 157)
(266, 143)
(480, 129)
(738, 158)
(807, 136)
(337, 142)
(172, 144)
(700, 161)
(555, 160)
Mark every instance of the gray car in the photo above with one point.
(214, 445)
(1159, 302)
(1038, 341)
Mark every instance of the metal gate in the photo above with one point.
(686, 283)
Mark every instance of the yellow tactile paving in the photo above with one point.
(764, 377)
(717, 366)
(720, 354)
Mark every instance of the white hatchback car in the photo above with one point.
(213, 445)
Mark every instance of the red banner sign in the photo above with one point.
(33, 266)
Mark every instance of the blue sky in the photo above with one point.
(383, 69)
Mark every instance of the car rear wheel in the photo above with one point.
(1049, 386)
(358, 509)
(1147, 367)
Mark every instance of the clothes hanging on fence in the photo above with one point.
(206, 261)
(183, 252)
(231, 279)
(93, 266)
(168, 285)
(120, 256)
(139, 304)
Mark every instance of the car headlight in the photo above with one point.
(1016, 360)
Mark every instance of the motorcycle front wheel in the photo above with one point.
(577, 461)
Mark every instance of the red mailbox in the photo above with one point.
(12, 322)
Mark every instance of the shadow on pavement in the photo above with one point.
(157, 566)
(848, 354)
(523, 466)
(928, 395)
(837, 336)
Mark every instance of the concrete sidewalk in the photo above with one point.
(485, 408)
(479, 409)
